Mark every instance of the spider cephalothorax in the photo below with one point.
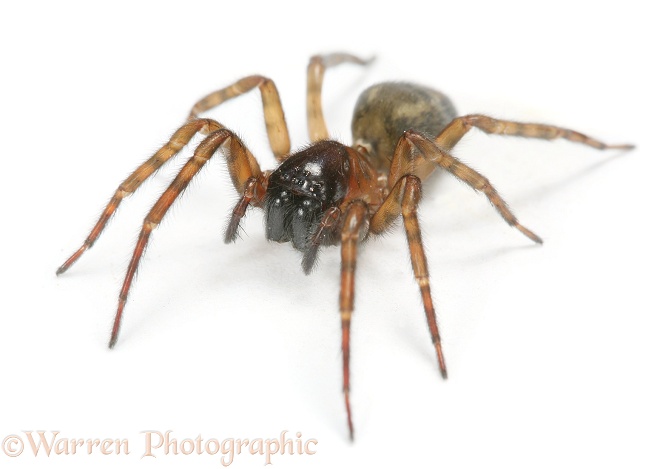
(302, 188)
(330, 193)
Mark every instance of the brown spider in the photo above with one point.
(330, 193)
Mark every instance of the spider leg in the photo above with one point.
(315, 73)
(243, 168)
(404, 198)
(419, 155)
(249, 193)
(272, 109)
(178, 140)
(275, 126)
(354, 229)
(323, 233)
(456, 129)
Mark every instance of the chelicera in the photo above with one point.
(329, 193)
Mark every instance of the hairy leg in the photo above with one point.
(323, 234)
(456, 129)
(315, 74)
(241, 171)
(352, 232)
(273, 112)
(404, 199)
(178, 140)
(275, 126)
(417, 154)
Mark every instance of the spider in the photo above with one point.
(329, 193)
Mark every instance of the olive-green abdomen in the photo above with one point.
(384, 111)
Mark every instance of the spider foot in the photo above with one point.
(441, 359)
(71, 260)
(626, 146)
(349, 414)
(529, 234)
(309, 258)
(116, 328)
(231, 233)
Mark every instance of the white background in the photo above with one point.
(549, 347)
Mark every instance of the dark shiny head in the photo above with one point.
(302, 188)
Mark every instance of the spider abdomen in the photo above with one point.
(385, 110)
(302, 188)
